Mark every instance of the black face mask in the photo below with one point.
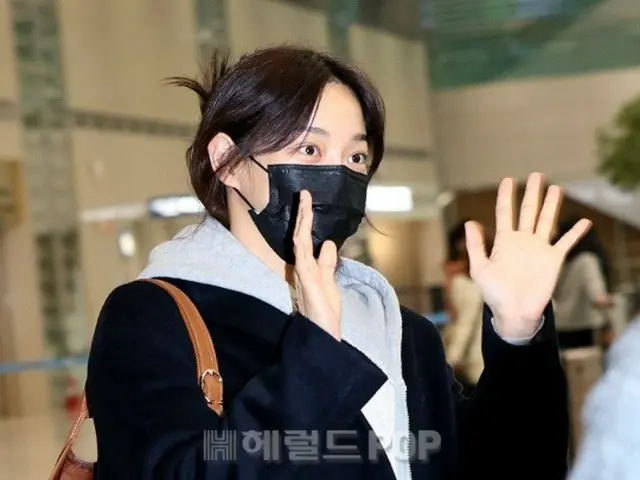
(338, 196)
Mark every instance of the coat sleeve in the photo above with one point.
(516, 423)
(142, 376)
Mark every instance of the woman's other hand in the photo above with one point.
(518, 278)
(317, 291)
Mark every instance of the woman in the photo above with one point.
(464, 344)
(310, 348)
(454, 266)
(583, 292)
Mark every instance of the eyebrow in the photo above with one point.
(359, 137)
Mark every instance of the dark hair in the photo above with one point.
(456, 234)
(589, 243)
(263, 102)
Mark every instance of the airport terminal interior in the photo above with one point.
(93, 140)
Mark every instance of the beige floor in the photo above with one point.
(29, 447)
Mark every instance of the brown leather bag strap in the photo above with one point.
(206, 360)
(209, 377)
(67, 452)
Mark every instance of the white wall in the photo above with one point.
(398, 68)
(548, 124)
(8, 79)
(117, 54)
(10, 141)
(258, 23)
(116, 168)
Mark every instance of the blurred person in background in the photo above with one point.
(307, 344)
(464, 336)
(453, 266)
(583, 294)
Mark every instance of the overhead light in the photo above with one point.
(381, 198)
(113, 213)
(175, 206)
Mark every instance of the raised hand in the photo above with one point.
(318, 294)
(517, 280)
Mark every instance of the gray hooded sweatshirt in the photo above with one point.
(371, 320)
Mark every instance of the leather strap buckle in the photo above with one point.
(212, 373)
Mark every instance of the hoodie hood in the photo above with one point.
(208, 253)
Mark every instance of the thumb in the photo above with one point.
(475, 246)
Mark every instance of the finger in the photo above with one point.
(549, 212)
(475, 246)
(327, 261)
(504, 205)
(296, 233)
(569, 239)
(303, 245)
(296, 229)
(530, 203)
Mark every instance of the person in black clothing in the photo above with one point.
(326, 375)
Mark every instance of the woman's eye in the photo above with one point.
(309, 150)
(359, 158)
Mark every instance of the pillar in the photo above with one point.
(50, 227)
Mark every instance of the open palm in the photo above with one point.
(518, 278)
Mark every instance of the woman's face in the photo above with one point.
(335, 136)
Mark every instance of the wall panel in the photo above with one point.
(22, 323)
(398, 68)
(10, 140)
(117, 54)
(488, 132)
(10, 131)
(258, 23)
(118, 168)
(8, 78)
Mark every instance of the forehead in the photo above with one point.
(339, 110)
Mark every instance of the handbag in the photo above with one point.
(70, 467)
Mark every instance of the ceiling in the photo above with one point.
(401, 17)
(413, 18)
(600, 195)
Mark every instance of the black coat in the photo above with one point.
(283, 373)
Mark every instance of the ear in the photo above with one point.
(219, 147)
